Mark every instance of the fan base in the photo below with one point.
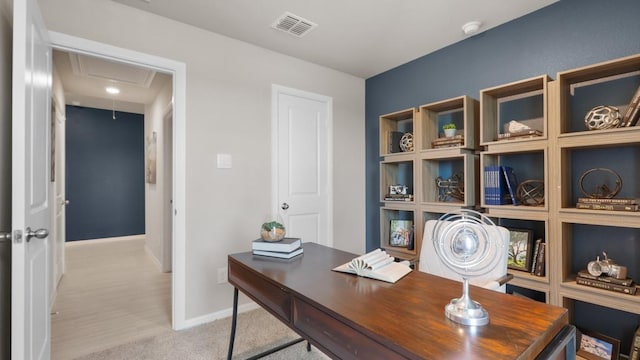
(460, 312)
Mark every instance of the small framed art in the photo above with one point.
(595, 346)
(520, 249)
(400, 233)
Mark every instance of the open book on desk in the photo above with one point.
(376, 264)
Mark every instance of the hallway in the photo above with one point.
(112, 293)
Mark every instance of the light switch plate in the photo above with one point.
(224, 161)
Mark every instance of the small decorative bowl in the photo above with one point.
(272, 231)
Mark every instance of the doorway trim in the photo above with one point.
(178, 70)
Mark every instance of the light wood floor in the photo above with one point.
(112, 293)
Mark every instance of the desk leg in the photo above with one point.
(234, 320)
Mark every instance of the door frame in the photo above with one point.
(179, 74)
(276, 91)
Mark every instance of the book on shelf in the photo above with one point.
(609, 207)
(630, 290)
(394, 141)
(452, 141)
(621, 201)
(630, 115)
(512, 182)
(287, 244)
(279, 254)
(398, 197)
(520, 134)
(495, 186)
(635, 346)
(539, 258)
(376, 264)
(625, 282)
(534, 255)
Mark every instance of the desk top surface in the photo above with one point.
(409, 315)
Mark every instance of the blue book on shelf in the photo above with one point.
(512, 183)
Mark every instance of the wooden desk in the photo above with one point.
(350, 317)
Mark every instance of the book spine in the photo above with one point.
(635, 346)
(536, 249)
(621, 201)
(624, 282)
(610, 207)
(540, 261)
(630, 290)
(633, 105)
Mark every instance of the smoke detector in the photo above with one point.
(471, 27)
(293, 24)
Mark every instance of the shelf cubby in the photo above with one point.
(462, 111)
(581, 242)
(399, 212)
(577, 161)
(611, 83)
(399, 171)
(523, 101)
(392, 127)
(446, 167)
(535, 159)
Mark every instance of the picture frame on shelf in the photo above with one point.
(520, 249)
(400, 233)
(595, 346)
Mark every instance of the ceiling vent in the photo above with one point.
(293, 24)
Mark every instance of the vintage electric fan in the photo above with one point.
(469, 244)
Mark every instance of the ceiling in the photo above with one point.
(359, 37)
(85, 78)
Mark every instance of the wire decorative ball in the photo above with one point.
(603, 117)
(406, 142)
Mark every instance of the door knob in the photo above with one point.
(40, 234)
(284, 206)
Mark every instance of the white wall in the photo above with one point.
(154, 193)
(228, 111)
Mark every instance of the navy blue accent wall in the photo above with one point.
(562, 36)
(104, 174)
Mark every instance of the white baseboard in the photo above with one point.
(105, 240)
(155, 260)
(201, 320)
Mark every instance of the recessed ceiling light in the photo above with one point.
(112, 90)
(471, 27)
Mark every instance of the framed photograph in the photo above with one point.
(520, 249)
(595, 346)
(401, 233)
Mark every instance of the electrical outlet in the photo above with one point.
(222, 275)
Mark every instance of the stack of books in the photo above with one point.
(539, 258)
(500, 184)
(625, 286)
(613, 204)
(398, 197)
(453, 141)
(284, 249)
(524, 134)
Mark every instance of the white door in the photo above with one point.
(302, 154)
(30, 322)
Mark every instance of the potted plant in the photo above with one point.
(449, 129)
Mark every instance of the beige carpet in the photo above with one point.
(257, 330)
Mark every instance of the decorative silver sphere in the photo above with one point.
(469, 244)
